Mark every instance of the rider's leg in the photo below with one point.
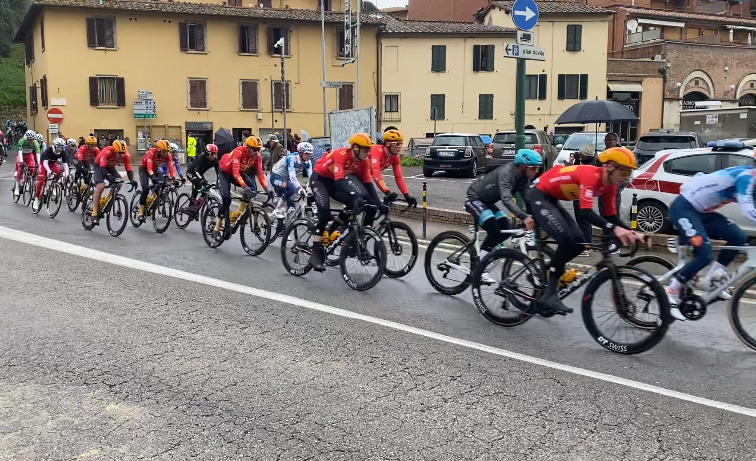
(585, 226)
(322, 189)
(41, 177)
(100, 174)
(144, 180)
(718, 226)
(225, 189)
(485, 218)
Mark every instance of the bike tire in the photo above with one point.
(295, 241)
(164, 208)
(86, 213)
(134, 209)
(119, 209)
(462, 241)
(515, 310)
(395, 248)
(73, 197)
(54, 200)
(623, 346)
(735, 313)
(379, 255)
(16, 198)
(181, 215)
(259, 222)
(212, 239)
(37, 210)
(28, 189)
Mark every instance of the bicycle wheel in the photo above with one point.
(507, 268)
(86, 213)
(37, 209)
(254, 233)
(295, 247)
(16, 198)
(162, 214)
(454, 257)
(508, 300)
(54, 200)
(402, 249)
(28, 189)
(117, 217)
(134, 209)
(212, 238)
(363, 259)
(181, 215)
(73, 197)
(627, 321)
(743, 314)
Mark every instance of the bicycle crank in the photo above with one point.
(693, 307)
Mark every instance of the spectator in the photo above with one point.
(81, 141)
(277, 152)
(612, 140)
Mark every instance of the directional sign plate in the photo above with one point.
(534, 53)
(330, 84)
(524, 14)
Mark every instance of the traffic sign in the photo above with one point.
(525, 38)
(534, 53)
(145, 108)
(330, 84)
(525, 14)
(144, 94)
(53, 128)
(55, 115)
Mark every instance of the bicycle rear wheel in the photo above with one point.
(54, 200)
(73, 197)
(36, 210)
(629, 320)
(134, 209)
(162, 214)
(453, 256)
(212, 238)
(28, 189)
(86, 213)
(16, 197)
(117, 217)
(295, 247)
(254, 234)
(363, 259)
(402, 249)
(181, 215)
(742, 314)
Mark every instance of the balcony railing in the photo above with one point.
(645, 36)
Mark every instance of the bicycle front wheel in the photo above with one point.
(118, 216)
(254, 234)
(16, 192)
(296, 245)
(363, 259)
(449, 262)
(54, 200)
(28, 191)
(134, 209)
(162, 214)
(181, 215)
(402, 249)
(212, 238)
(73, 197)
(742, 314)
(626, 316)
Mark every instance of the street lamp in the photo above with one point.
(280, 44)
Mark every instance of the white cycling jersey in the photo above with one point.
(707, 192)
(288, 166)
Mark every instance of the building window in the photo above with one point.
(438, 58)
(29, 48)
(483, 58)
(346, 96)
(250, 95)
(574, 37)
(235, 3)
(535, 86)
(43, 90)
(391, 107)
(572, 86)
(346, 50)
(33, 99)
(192, 36)
(438, 106)
(107, 91)
(485, 107)
(278, 96)
(327, 4)
(42, 34)
(248, 39)
(198, 93)
(275, 34)
(101, 33)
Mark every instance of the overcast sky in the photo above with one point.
(389, 3)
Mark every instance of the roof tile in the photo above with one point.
(639, 12)
(557, 7)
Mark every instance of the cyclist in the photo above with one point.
(163, 167)
(583, 182)
(148, 171)
(71, 151)
(85, 155)
(51, 160)
(42, 144)
(329, 180)
(387, 154)
(197, 169)
(27, 151)
(105, 168)
(233, 170)
(502, 184)
(284, 177)
(692, 212)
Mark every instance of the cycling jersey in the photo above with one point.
(500, 184)
(289, 165)
(110, 158)
(380, 159)
(50, 155)
(152, 160)
(28, 147)
(201, 164)
(707, 192)
(163, 167)
(341, 162)
(578, 182)
(83, 154)
(239, 161)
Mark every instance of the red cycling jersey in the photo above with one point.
(341, 162)
(380, 159)
(83, 154)
(579, 182)
(151, 160)
(109, 158)
(239, 161)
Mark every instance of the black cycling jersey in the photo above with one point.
(501, 184)
(201, 164)
(50, 155)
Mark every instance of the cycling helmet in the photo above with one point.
(174, 147)
(212, 148)
(119, 145)
(528, 157)
(393, 136)
(361, 139)
(30, 135)
(163, 145)
(622, 156)
(253, 142)
(91, 141)
(39, 138)
(59, 143)
(72, 142)
(304, 148)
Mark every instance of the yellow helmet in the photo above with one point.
(361, 139)
(253, 142)
(163, 145)
(393, 136)
(119, 145)
(620, 155)
(91, 141)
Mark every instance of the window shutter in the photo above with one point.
(183, 37)
(350, 96)
(271, 40)
(560, 86)
(288, 42)
(578, 38)
(43, 90)
(277, 96)
(254, 90)
(442, 107)
(252, 39)
(442, 58)
(476, 58)
(202, 93)
(570, 38)
(200, 27)
(243, 47)
(434, 59)
(120, 92)
(94, 94)
(490, 58)
(91, 39)
(42, 33)
(583, 86)
(193, 98)
(109, 34)
(288, 96)
(542, 86)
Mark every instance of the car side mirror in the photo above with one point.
(559, 146)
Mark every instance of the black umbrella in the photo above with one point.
(225, 141)
(598, 111)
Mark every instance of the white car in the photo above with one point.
(657, 182)
(575, 142)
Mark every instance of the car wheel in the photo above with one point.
(473, 171)
(427, 172)
(652, 218)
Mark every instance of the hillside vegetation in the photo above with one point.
(12, 79)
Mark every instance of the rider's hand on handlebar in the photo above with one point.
(390, 197)
(626, 237)
(529, 223)
(411, 201)
(644, 240)
(271, 195)
(248, 193)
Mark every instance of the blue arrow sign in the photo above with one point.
(524, 14)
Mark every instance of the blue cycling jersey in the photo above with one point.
(289, 165)
(163, 167)
(707, 192)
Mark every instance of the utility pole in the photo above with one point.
(322, 37)
(281, 45)
(357, 50)
(520, 106)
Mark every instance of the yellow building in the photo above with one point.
(460, 69)
(206, 65)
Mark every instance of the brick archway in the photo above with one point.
(746, 86)
(697, 81)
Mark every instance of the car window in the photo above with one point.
(456, 141)
(658, 143)
(689, 166)
(509, 138)
(739, 160)
(576, 141)
(475, 141)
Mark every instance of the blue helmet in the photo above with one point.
(528, 157)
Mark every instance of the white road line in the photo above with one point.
(63, 247)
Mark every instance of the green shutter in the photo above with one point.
(490, 58)
(476, 58)
(583, 86)
(560, 86)
(578, 38)
(442, 58)
(542, 86)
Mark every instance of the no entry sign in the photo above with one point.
(55, 115)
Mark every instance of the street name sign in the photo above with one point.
(534, 53)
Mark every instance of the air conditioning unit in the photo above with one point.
(658, 57)
(259, 116)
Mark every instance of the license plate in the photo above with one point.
(445, 166)
(507, 151)
(446, 153)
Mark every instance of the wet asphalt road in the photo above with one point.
(104, 361)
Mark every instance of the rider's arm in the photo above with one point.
(170, 166)
(236, 173)
(177, 165)
(127, 165)
(150, 166)
(260, 172)
(46, 165)
(609, 196)
(506, 184)
(291, 166)
(375, 167)
(744, 187)
(398, 176)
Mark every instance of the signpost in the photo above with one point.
(535, 53)
(53, 128)
(55, 115)
(525, 17)
(144, 108)
(330, 84)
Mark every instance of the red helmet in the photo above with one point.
(212, 148)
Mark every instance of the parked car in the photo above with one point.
(323, 142)
(502, 147)
(416, 146)
(558, 140)
(455, 152)
(658, 181)
(651, 143)
(578, 140)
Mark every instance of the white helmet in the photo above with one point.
(39, 137)
(174, 147)
(72, 142)
(30, 134)
(59, 142)
(304, 148)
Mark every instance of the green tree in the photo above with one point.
(11, 14)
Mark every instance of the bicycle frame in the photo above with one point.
(520, 239)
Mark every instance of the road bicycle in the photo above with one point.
(694, 303)
(401, 241)
(302, 209)
(51, 195)
(613, 310)
(362, 252)
(206, 195)
(158, 206)
(250, 219)
(114, 208)
(27, 186)
(75, 189)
